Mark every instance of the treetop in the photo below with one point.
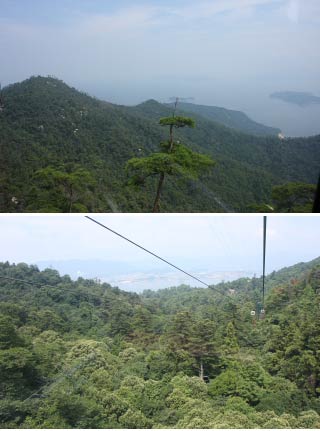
(177, 121)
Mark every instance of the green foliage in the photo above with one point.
(231, 342)
(71, 185)
(8, 334)
(308, 419)
(50, 131)
(233, 382)
(49, 346)
(293, 197)
(290, 197)
(175, 159)
(13, 413)
(159, 363)
(71, 360)
(177, 121)
(18, 372)
(276, 423)
(152, 165)
(181, 161)
(134, 419)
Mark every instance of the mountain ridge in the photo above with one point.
(231, 118)
(47, 123)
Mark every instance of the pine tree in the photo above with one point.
(173, 159)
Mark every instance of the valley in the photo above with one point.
(52, 136)
(82, 354)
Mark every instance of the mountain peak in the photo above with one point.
(39, 81)
(149, 102)
(152, 107)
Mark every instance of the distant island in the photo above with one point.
(296, 97)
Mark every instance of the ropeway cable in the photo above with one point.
(153, 254)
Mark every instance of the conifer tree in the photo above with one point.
(173, 159)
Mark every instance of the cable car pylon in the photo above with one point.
(316, 204)
(263, 311)
(1, 99)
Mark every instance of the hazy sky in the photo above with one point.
(230, 53)
(213, 243)
(175, 44)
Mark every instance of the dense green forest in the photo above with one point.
(61, 151)
(83, 354)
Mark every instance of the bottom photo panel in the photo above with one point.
(159, 321)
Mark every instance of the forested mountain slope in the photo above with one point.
(52, 134)
(230, 118)
(77, 354)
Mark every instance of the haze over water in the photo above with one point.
(228, 53)
(209, 247)
(293, 120)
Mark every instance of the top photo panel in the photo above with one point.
(159, 107)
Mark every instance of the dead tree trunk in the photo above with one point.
(201, 374)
